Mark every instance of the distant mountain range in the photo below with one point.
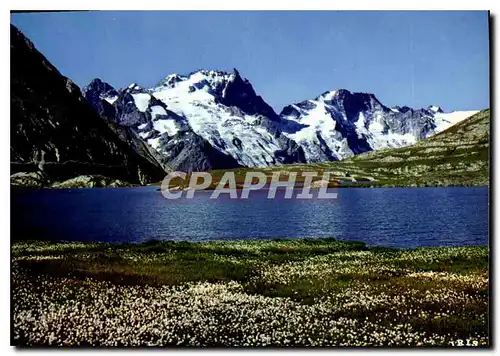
(207, 119)
(223, 112)
(339, 124)
(457, 156)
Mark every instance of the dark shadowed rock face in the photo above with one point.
(354, 103)
(54, 130)
(96, 92)
(188, 152)
(239, 92)
(126, 113)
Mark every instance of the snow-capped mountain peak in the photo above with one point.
(170, 80)
(199, 79)
(98, 90)
(212, 113)
(227, 88)
(223, 108)
(340, 123)
(435, 109)
(219, 107)
(327, 95)
(134, 88)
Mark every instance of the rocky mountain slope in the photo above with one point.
(218, 116)
(458, 156)
(56, 135)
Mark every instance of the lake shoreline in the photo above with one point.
(76, 183)
(249, 293)
(347, 186)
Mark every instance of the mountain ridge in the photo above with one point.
(212, 105)
(458, 156)
(208, 102)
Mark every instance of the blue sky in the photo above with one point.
(404, 58)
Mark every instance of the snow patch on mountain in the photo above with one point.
(157, 111)
(435, 108)
(141, 101)
(111, 99)
(376, 136)
(319, 124)
(444, 121)
(166, 126)
(155, 143)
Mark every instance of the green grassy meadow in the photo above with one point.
(253, 293)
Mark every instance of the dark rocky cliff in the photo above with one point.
(56, 133)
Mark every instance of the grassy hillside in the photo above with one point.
(458, 156)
